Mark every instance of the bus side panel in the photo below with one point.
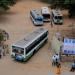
(28, 56)
(41, 44)
(36, 48)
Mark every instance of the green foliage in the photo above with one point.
(63, 4)
(5, 4)
(47, 1)
(1, 37)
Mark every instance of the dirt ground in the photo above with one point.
(17, 23)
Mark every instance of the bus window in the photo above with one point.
(35, 43)
(46, 16)
(57, 17)
(15, 51)
(39, 19)
(18, 50)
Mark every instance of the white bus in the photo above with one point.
(57, 17)
(36, 17)
(26, 47)
(45, 13)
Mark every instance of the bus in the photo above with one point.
(36, 17)
(45, 13)
(25, 48)
(57, 17)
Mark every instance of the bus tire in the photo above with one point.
(34, 52)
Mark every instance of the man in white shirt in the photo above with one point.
(55, 59)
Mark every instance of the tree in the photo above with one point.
(1, 37)
(63, 4)
(5, 4)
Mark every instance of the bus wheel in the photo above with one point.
(34, 52)
(33, 22)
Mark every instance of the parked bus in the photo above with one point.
(36, 17)
(45, 13)
(57, 17)
(26, 47)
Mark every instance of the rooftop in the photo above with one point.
(22, 43)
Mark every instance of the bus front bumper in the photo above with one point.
(19, 58)
(38, 24)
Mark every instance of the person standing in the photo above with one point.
(73, 67)
(51, 22)
(57, 58)
(58, 68)
(0, 53)
(54, 60)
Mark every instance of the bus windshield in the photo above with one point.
(18, 50)
(39, 19)
(58, 17)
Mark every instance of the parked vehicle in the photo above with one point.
(36, 17)
(26, 47)
(45, 13)
(57, 17)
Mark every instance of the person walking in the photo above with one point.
(57, 58)
(58, 68)
(0, 53)
(54, 60)
(51, 22)
(73, 67)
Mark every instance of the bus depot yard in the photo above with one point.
(42, 15)
(18, 24)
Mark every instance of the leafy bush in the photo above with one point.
(5, 4)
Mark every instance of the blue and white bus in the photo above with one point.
(36, 17)
(25, 48)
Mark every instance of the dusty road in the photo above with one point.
(17, 23)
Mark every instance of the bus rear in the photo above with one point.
(45, 13)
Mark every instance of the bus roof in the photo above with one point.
(57, 12)
(25, 41)
(37, 13)
(45, 10)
